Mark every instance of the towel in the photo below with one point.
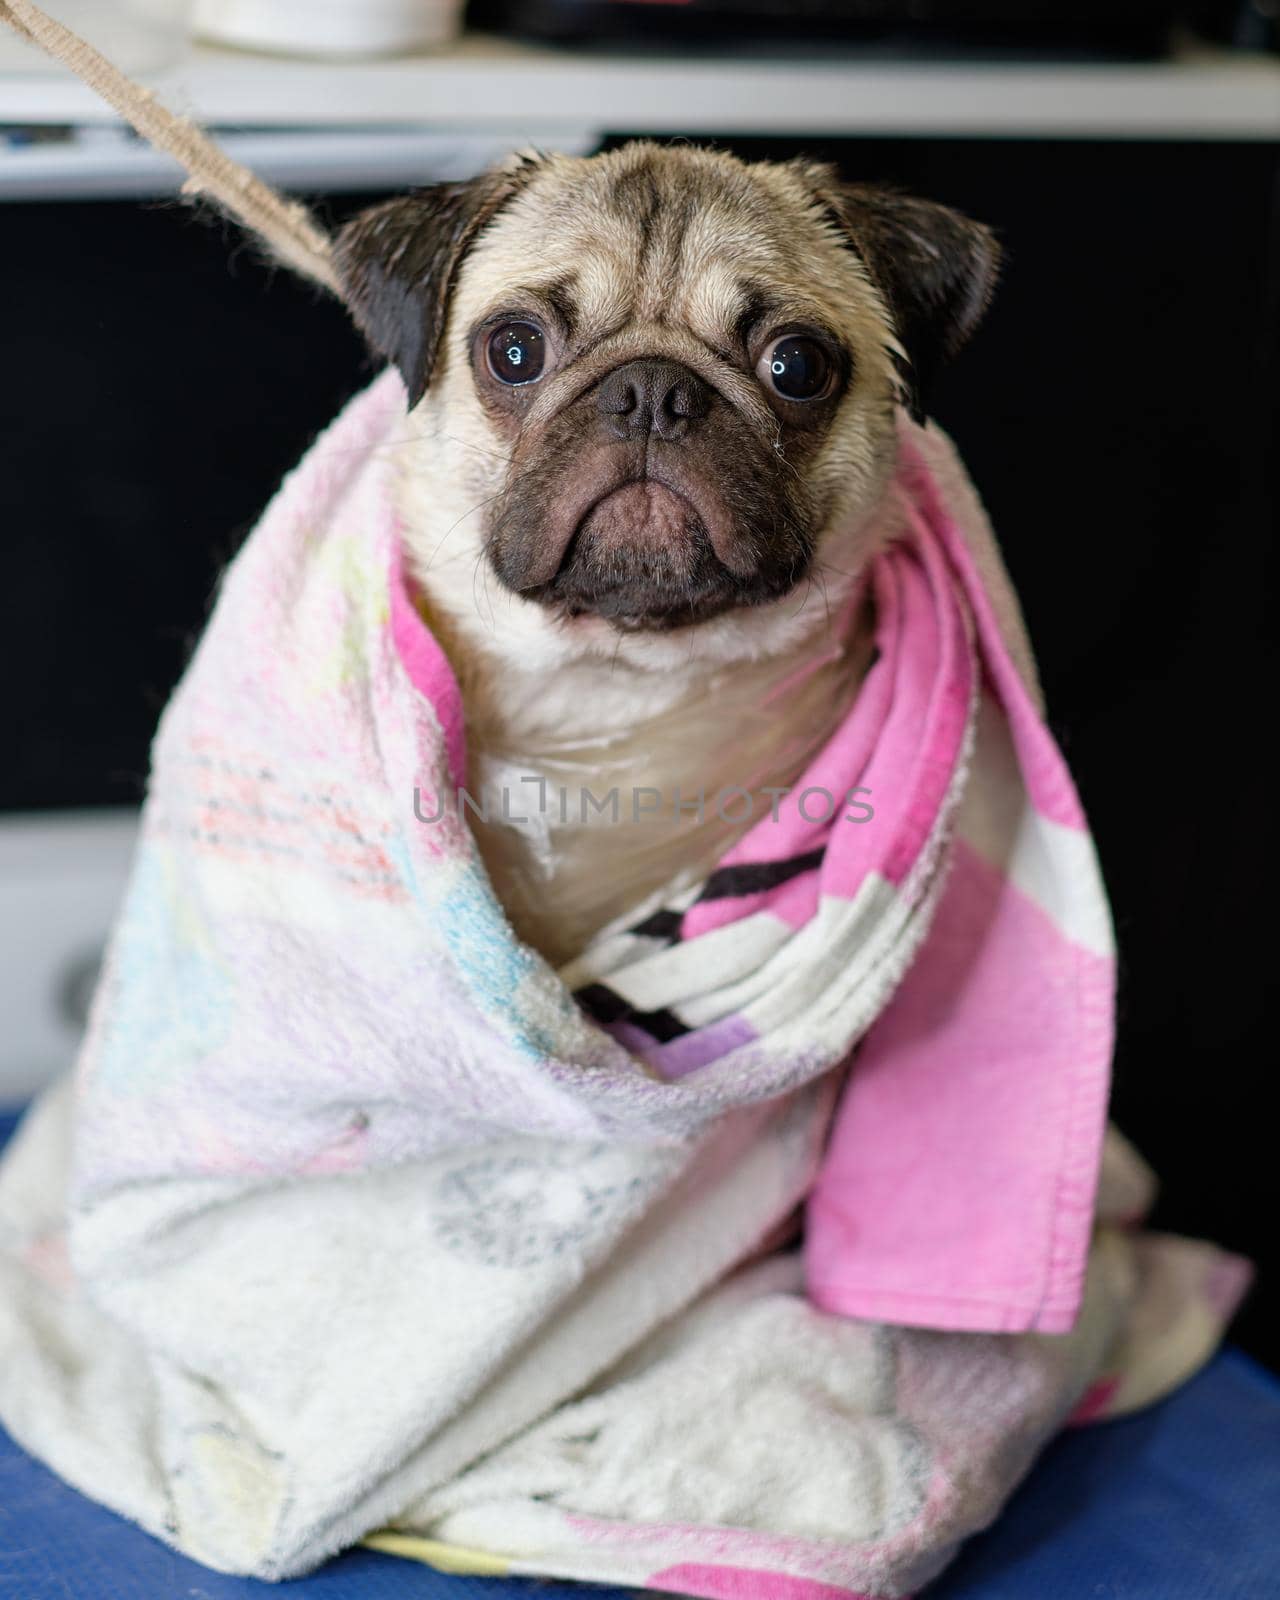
(358, 1221)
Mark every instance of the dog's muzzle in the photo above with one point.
(652, 513)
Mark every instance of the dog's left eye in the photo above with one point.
(796, 367)
(517, 353)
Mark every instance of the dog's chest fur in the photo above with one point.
(599, 785)
(635, 793)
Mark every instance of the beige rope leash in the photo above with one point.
(286, 227)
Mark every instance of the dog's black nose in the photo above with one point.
(646, 397)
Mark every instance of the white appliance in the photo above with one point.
(330, 27)
(139, 36)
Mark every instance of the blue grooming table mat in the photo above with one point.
(1179, 1503)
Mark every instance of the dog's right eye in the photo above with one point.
(796, 367)
(517, 353)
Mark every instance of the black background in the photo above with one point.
(1117, 411)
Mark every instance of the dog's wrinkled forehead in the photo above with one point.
(664, 237)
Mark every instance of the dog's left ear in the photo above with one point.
(398, 263)
(935, 268)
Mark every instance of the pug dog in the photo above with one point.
(651, 430)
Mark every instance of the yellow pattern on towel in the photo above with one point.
(443, 1557)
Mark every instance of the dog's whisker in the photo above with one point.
(693, 639)
(808, 590)
(484, 584)
(818, 577)
(488, 500)
(467, 444)
(365, 451)
(480, 572)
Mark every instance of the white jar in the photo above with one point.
(136, 35)
(329, 27)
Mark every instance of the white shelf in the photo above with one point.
(109, 162)
(520, 92)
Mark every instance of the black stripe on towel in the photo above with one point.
(754, 877)
(664, 924)
(605, 1005)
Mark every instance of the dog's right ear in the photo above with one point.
(398, 262)
(935, 268)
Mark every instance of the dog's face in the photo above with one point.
(659, 377)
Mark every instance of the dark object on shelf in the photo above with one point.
(1123, 28)
(1246, 24)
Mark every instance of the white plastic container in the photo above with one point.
(329, 27)
(139, 36)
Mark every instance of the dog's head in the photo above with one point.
(660, 374)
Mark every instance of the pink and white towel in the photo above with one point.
(358, 1221)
